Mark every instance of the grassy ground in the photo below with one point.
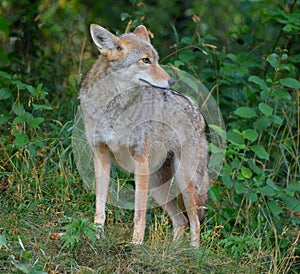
(28, 227)
(40, 202)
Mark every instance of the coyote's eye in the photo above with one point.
(146, 60)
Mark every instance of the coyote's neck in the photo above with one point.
(98, 71)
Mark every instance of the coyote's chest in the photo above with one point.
(123, 121)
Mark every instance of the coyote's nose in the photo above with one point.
(171, 82)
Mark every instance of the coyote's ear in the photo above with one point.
(103, 39)
(142, 32)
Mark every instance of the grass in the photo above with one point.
(29, 248)
(41, 197)
(34, 210)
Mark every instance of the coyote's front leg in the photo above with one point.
(102, 173)
(141, 176)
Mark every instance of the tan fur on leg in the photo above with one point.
(102, 173)
(141, 175)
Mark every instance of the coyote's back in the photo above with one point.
(132, 118)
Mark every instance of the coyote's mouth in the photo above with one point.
(155, 86)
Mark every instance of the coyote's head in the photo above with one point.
(132, 55)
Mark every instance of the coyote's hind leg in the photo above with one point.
(161, 191)
(189, 195)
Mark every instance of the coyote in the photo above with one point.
(132, 118)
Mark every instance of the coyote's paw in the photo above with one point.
(137, 238)
(178, 233)
(99, 233)
(137, 241)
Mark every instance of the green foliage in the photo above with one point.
(240, 247)
(3, 241)
(19, 111)
(78, 230)
(26, 263)
(245, 52)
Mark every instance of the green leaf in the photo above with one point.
(5, 75)
(267, 191)
(21, 140)
(273, 60)
(214, 193)
(3, 241)
(265, 109)
(220, 131)
(260, 82)
(186, 57)
(187, 40)
(18, 109)
(252, 196)
(227, 181)
(274, 207)
(246, 172)
(293, 187)
(276, 119)
(216, 160)
(255, 168)
(178, 63)
(5, 93)
(240, 188)
(284, 57)
(291, 203)
(125, 16)
(250, 134)
(41, 107)
(245, 112)
(23, 86)
(263, 123)
(272, 185)
(31, 90)
(282, 94)
(26, 256)
(260, 152)
(20, 120)
(40, 91)
(290, 83)
(215, 149)
(235, 138)
(35, 122)
(21, 243)
(287, 28)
